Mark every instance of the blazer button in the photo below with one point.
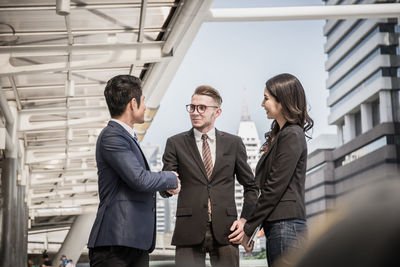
(153, 209)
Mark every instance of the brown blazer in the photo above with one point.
(281, 174)
(182, 155)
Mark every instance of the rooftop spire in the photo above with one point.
(245, 108)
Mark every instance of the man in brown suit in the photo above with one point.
(207, 161)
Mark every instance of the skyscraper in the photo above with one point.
(363, 66)
(248, 132)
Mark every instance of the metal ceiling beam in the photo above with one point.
(54, 86)
(78, 49)
(77, 33)
(60, 192)
(304, 13)
(86, 6)
(61, 110)
(33, 172)
(26, 125)
(148, 54)
(63, 98)
(32, 157)
(63, 211)
(142, 20)
(50, 147)
(50, 185)
(15, 90)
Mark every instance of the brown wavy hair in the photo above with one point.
(287, 90)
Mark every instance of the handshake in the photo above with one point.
(178, 189)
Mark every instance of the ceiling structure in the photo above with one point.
(55, 58)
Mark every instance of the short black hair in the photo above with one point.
(119, 91)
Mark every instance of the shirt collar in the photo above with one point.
(198, 134)
(128, 128)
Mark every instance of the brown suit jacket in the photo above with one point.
(182, 155)
(281, 174)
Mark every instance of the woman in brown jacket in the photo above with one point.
(281, 170)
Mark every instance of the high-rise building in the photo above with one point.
(364, 100)
(248, 132)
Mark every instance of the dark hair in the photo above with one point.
(119, 91)
(288, 91)
(44, 254)
(209, 91)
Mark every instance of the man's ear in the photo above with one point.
(218, 112)
(134, 104)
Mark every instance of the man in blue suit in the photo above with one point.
(124, 231)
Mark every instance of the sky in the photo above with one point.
(237, 58)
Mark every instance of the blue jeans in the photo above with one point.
(282, 236)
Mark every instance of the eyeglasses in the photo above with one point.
(200, 108)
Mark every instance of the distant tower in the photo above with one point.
(248, 132)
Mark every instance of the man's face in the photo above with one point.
(204, 121)
(138, 111)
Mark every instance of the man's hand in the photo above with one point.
(244, 244)
(178, 189)
(237, 236)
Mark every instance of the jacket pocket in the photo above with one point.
(231, 211)
(181, 212)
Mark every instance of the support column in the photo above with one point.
(21, 238)
(349, 128)
(9, 192)
(366, 117)
(385, 106)
(9, 253)
(76, 239)
(340, 134)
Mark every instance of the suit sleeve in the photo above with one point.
(245, 177)
(170, 162)
(288, 152)
(118, 154)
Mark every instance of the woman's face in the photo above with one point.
(271, 106)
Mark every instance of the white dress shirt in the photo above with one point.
(210, 140)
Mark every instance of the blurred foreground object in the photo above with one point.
(365, 230)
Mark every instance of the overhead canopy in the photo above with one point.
(55, 59)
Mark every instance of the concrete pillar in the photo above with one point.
(366, 117)
(385, 106)
(9, 253)
(349, 128)
(339, 130)
(9, 192)
(21, 238)
(76, 239)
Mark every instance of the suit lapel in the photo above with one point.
(125, 132)
(194, 151)
(265, 155)
(261, 173)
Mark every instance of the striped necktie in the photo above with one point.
(207, 160)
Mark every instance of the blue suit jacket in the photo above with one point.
(127, 210)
